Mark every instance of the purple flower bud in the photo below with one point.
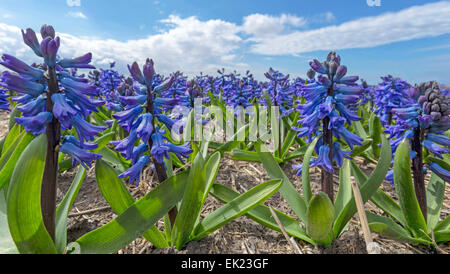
(339, 155)
(180, 151)
(440, 171)
(126, 118)
(149, 72)
(49, 49)
(144, 126)
(136, 73)
(85, 130)
(79, 62)
(341, 71)
(78, 154)
(133, 100)
(73, 140)
(435, 149)
(165, 86)
(318, 67)
(125, 146)
(30, 39)
(324, 160)
(35, 124)
(33, 107)
(138, 152)
(159, 149)
(47, 31)
(20, 67)
(86, 89)
(439, 139)
(63, 109)
(20, 84)
(135, 170)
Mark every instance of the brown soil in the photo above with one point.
(241, 236)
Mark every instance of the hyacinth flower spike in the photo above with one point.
(51, 101)
(328, 102)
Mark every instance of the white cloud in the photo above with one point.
(415, 22)
(188, 45)
(73, 3)
(77, 14)
(264, 25)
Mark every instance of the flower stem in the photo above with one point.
(159, 168)
(417, 167)
(48, 189)
(327, 177)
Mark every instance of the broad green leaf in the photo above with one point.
(287, 189)
(12, 121)
(307, 193)
(236, 208)
(375, 130)
(103, 140)
(13, 135)
(118, 197)
(212, 168)
(388, 228)
(358, 150)
(368, 188)
(62, 211)
(136, 219)
(24, 200)
(191, 205)
(64, 164)
(405, 190)
(7, 245)
(296, 153)
(111, 157)
(344, 194)
(262, 214)
(249, 156)
(319, 218)
(435, 198)
(359, 129)
(8, 164)
(442, 236)
(287, 143)
(379, 198)
(445, 224)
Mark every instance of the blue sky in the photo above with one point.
(406, 38)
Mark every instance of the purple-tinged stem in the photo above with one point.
(48, 189)
(159, 168)
(417, 167)
(327, 177)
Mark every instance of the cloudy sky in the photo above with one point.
(406, 38)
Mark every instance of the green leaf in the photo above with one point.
(63, 209)
(262, 214)
(442, 236)
(287, 189)
(287, 143)
(118, 197)
(136, 219)
(320, 217)
(250, 156)
(8, 164)
(24, 200)
(375, 130)
(12, 121)
(109, 156)
(358, 150)
(307, 193)
(11, 138)
(344, 194)
(295, 154)
(388, 228)
(191, 205)
(236, 208)
(367, 189)
(379, 198)
(435, 197)
(7, 245)
(103, 140)
(445, 224)
(405, 190)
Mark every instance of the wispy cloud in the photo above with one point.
(73, 3)
(77, 14)
(415, 22)
(438, 47)
(265, 25)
